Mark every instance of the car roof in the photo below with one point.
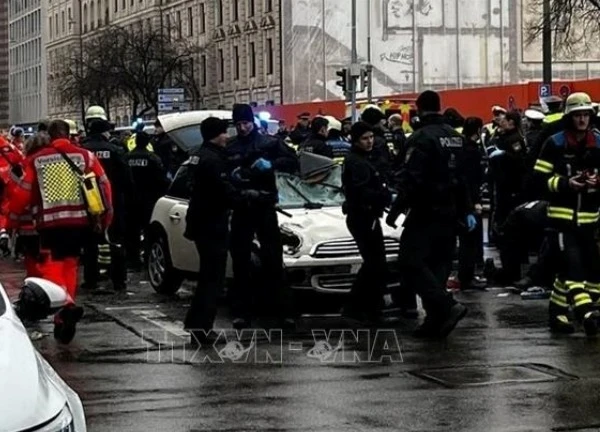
(179, 120)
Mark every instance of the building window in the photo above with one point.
(49, 27)
(250, 8)
(203, 66)
(131, 3)
(221, 63)
(252, 60)
(85, 18)
(56, 24)
(269, 56)
(236, 63)
(202, 18)
(92, 16)
(99, 13)
(116, 7)
(268, 5)
(123, 4)
(179, 30)
(168, 19)
(190, 22)
(219, 12)
(235, 10)
(62, 21)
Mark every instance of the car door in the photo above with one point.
(184, 255)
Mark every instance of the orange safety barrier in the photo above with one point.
(476, 101)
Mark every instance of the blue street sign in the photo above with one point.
(545, 90)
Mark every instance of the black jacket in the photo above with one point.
(472, 158)
(112, 159)
(299, 135)
(364, 186)
(242, 152)
(149, 175)
(381, 155)
(212, 193)
(171, 155)
(432, 183)
(317, 144)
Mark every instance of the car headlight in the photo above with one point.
(290, 240)
(63, 422)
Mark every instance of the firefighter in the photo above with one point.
(567, 171)
(367, 196)
(433, 193)
(490, 130)
(11, 160)
(50, 185)
(150, 183)
(253, 160)
(317, 142)
(339, 146)
(109, 248)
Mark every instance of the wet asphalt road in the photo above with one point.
(500, 370)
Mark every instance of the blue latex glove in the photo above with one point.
(262, 165)
(471, 223)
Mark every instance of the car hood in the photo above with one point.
(328, 223)
(28, 397)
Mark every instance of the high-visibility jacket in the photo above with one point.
(10, 157)
(560, 159)
(131, 144)
(52, 189)
(551, 118)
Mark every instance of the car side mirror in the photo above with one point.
(40, 298)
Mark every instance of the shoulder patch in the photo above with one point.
(194, 160)
(559, 139)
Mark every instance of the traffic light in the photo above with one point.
(343, 81)
(364, 80)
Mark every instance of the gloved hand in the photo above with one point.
(471, 222)
(390, 221)
(262, 165)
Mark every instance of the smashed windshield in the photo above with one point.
(324, 191)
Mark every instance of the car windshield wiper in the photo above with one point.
(310, 205)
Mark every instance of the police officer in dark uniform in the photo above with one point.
(207, 223)
(317, 142)
(150, 183)
(302, 130)
(253, 159)
(433, 188)
(380, 155)
(366, 198)
(112, 159)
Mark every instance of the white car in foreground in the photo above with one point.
(319, 252)
(33, 397)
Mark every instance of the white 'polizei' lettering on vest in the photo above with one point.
(103, 154)
(138, 162)
(451, 142)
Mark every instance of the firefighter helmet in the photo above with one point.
(578, 102)
(72, 127)
(95, 112)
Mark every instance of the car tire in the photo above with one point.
(163, 277)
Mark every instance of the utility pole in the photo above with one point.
(547, 42)
(369, 65)
(81, 98)
(354, 62)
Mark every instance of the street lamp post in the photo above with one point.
(547, 42)
(81, 98)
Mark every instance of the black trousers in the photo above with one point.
(246, 222)
(118, 266)
(212, 247)
(426, 251)
(470, 251)
(369, 286)
(138, 220)
(544, 270)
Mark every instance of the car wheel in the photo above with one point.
(163, 277)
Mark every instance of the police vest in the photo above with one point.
(131, 144)
(551, 118)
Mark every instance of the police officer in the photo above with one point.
(490, 130)
(150, 183)
(535, 120)
(567, 171)
(253, 159)
(207, 223)
(317, 142)
(433, 189)
(112, 160)
(398, 136)
(380, 155)
(366, 198)
(507, 171)
(302, 130)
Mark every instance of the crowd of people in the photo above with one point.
(68, 196)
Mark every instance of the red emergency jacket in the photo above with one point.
(10, 157)
(51, 188)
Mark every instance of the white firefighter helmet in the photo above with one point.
(95, 112)
(334, 124)
(368, 106)
(578, 102)
(535, 115)
(72, 127)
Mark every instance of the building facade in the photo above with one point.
(27, 65)
(239, 58)
(4, 122)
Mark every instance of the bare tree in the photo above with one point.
(575, 25)
(129, 63)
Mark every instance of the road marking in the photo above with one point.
(116, 308)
